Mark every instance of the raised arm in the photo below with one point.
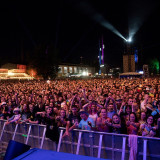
(106, 103)
(99, 105)
(86, 105)
(84, 95)
(72, 101)
(114, 104)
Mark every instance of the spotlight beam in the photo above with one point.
(88, 10)
(136, 19)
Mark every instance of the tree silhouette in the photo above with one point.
(45, 60)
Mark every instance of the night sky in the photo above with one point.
(74, 27)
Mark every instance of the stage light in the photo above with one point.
(141, 72)
(10, 73)
(129, 40)
(84, 73)
(102, 65)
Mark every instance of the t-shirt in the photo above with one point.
(15, 118)
(110, 114)
(94, 116)
(73, 118)
(84, 124)
(116, 130)
(32, 116)
(156, 115)
(24, 115)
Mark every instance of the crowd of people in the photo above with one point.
(123, 106)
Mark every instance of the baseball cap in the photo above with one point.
(83, 111)
(16, 109)
(3, 103)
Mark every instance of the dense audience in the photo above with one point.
(123, 106)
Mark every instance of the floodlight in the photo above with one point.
(129, 40)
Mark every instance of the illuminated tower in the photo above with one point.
(101, 57)
(136, 57)
(102, 51)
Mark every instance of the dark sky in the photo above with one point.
(74, 27)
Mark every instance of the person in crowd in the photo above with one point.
(118, 104)
(61, 119)
(111, 110)
(142, 120)
(111, 106)
(102, 123)
(93, 112)
(156, 113)
(136, 109)
(149, 109)
(32, 118)
(3, 110)
(125, 110)
(144, 102)
(16, 117)
(91, 108)
(73, 119)
(148, 128)
(128, 111)
(115, 124)
(24, 112)
(132, 124)
(158, 127)
(86, 122)
(4, 113)
(51, 123)
(140, 96)
(10, 111)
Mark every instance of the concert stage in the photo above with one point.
(40, 154)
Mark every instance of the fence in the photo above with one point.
(81, 142)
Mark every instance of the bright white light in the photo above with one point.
(48, 81)
(100, 49)
(102, 65)
(84, 73)
(10, 73)
(129, 40)
(141, 72)
(103, 46)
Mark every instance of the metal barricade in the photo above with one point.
(82, 142)
(108, 145)
(31, 134)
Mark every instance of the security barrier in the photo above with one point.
(81, 142)
(107, 145)
(31, 134)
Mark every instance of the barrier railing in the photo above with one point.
(107, 145)
(81, 142)
(31, 134)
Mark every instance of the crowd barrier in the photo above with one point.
(26, 133)
(81, 142)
